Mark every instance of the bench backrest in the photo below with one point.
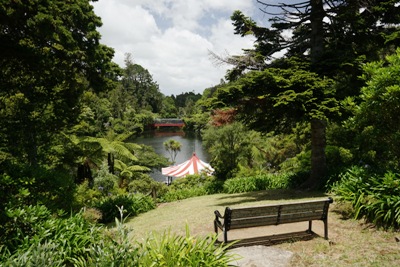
(276, 214)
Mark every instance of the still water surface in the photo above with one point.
(190, 144)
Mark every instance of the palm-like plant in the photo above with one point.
(112, 146)
(93, 151)
(127, 171)
(173, 147)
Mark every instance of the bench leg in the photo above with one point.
(309, 227)
(225, 236)
(326, 228)
(215, 227)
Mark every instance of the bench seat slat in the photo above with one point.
(271, 210)
(313, 203)
(239, 215)
(300, 218)
(252, 222)
(272, 220)
(254, 212)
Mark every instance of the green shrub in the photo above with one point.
(214, 186)
(133, 204)
(51, 241)
(190, 186)
(105, 181)
(38, 254)
(189, 181)
(179, 194)
(86, 196)
(374, 197)
(27, 185)
(115, 249)
(172, 250)
(296, 179)
(35, 237)
(91, 214)
(21, 223)
(256, 183)
(145, 184)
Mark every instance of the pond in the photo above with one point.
(190, 144)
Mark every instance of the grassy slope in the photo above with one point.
(351, 242)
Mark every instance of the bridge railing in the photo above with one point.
(168, 121)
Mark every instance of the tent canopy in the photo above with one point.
(192, 166)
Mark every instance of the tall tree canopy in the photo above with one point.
(327, 39)
(49, 54)
(139, 83)
(350, 32)
(376, 122)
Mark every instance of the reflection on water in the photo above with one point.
(190, 144)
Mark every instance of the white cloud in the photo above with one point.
(171, 38)
(224, 40)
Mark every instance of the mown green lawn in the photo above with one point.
(351, 243)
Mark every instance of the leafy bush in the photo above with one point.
(53, 241)
(133, 205)
(86, 196)
(38, 254)
(91, 214)
(105, 181)
(144, 184)
(179, 194)
(189, 181)
(115, 249)
(27, 185)
(374, 197)
(256, 183)
(35, 237)
(46, 240)
(172, 250)
(338, 156)
(214, 186)
(210, 183)
(22, 223)
(190, 186)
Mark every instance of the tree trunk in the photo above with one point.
(317, 32)
(318, 126)
(84, 172)
(318, 158)
(110, 160)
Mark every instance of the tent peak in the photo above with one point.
(192, 166)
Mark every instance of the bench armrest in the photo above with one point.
(218, 215)
(217, 222)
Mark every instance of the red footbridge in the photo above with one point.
(168, 123)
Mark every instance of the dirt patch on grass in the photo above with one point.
(351, 243)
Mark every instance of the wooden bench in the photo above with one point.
(236, 218)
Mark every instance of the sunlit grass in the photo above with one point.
(351, 243)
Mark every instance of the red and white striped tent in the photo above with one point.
(192, 166)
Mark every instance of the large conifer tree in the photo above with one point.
(328, 38)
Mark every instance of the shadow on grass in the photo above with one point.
(345, 210)
(273, 194)
(273, 239)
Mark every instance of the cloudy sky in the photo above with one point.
(171, 38)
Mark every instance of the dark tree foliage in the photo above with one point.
(331, 39)
(49, 54)
(353, 32)
(182, 99)
(141, 88)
